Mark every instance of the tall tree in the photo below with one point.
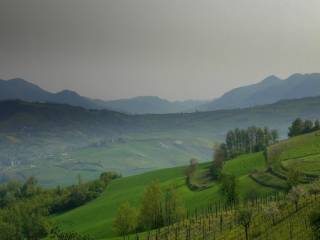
(151, 209)
(126, 220)
(219, 156)
(296, 128)
(229, 188)
(244, 218)
(173, 208)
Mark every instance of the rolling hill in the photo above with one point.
(96, 217)
(270, 90)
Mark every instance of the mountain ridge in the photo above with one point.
(21, 89)
(269, 90)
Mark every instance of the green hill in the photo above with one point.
(299, 153)
(251, 170)
(96, 217)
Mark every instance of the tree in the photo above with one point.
(244, 218)
(296, 128)
(260, 140)
(191, 169)
(316, 126)
(293, 177)
(252, 139)
(229, 188)
(30, 187)
(151, 209)
(173, 208)
(218, 161)
(295, 194)
(126, 220)
(308, 126)
(315, 223)
(274, 136)
(7, 231)
(106, 177)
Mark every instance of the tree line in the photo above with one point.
(300, 126)
(25, 207)
(252, 139)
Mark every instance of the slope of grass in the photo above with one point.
(97, 216)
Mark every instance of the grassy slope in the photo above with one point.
(96, 217)
(301, 152)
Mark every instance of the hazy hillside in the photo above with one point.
(151, 104)
(26, 91)
(57, 142)
(270, 90)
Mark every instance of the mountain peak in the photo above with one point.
(68, 93)
(270, 80)
(269, 90)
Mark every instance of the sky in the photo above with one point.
(175, 49)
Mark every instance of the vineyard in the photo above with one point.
(271, 217)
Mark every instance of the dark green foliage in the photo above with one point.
(229, 188)
(220, 155)
(244, 218)
(299, 126)
(190, 170)
(173, 208)
(25, 220)
(24, 208)
(294, 176)
(151, 207)
(126, 220)
(315, 223)
(57, 234)
(252, 139)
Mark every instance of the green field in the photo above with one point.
(128, 155)
(96, 217)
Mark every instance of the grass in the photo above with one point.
(97, 216)
(308, 165)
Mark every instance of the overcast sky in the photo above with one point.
(175, 49)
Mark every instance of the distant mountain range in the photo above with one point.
(26, 91)
(270, 90)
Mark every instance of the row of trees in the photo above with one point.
(252, 139)
(299, 126)
(25, 207)
(158, 208)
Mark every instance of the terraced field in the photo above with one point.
(301, 153)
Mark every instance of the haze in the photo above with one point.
(175, 49)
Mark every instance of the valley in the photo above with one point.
(56, 143)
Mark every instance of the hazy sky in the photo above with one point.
(176, 49)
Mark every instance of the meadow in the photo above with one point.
(96, 217)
